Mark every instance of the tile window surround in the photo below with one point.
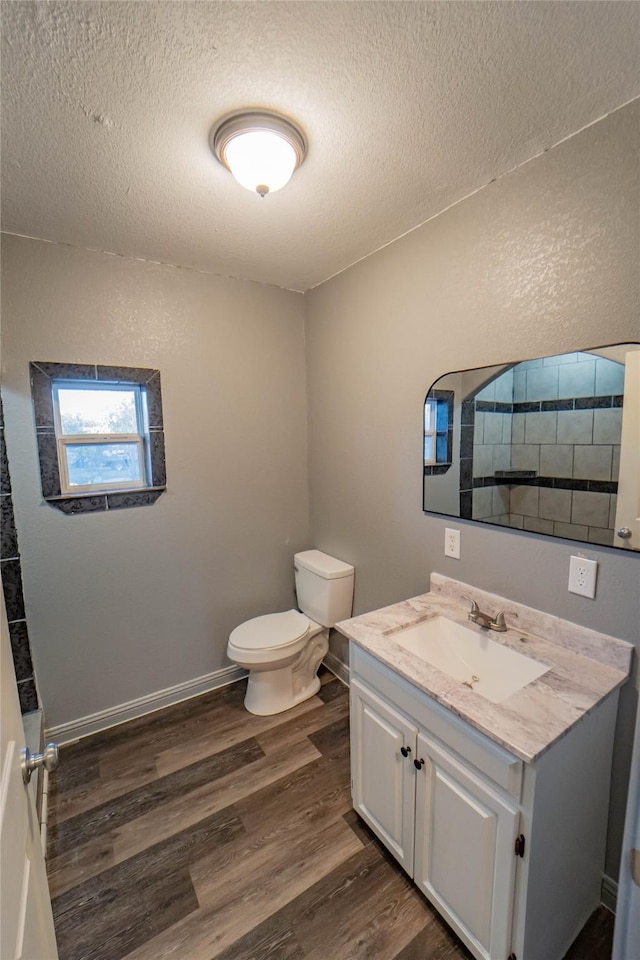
(12, 587)
(41, 375)
(554, 426)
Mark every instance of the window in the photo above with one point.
(438, 431)
(101, 435)
(430, 419)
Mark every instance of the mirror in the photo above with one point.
(549, 445)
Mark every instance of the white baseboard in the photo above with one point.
(95, 722)
(609, 893)
(340, 669)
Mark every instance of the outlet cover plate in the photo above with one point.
(452, 543)
(582, 576)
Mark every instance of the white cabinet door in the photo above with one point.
(383, 779)
(464, 860)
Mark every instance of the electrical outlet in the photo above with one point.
(452, 543)
(582, 576)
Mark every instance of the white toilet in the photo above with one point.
(283, 651)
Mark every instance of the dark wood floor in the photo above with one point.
(203, 832)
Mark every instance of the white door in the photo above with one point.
(383, 745)
(628, 500)
(26, 922)
(626, 941)
(465, 858)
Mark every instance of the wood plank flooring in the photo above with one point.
(204, 832)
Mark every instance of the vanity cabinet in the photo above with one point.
(453, 806)
(450, 829)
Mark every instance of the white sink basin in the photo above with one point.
(472, 657)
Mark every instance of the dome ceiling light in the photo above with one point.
(261, 149)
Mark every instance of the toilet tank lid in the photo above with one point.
(323, 565)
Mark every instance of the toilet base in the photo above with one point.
(274, 691)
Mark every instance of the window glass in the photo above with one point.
(428, 449)
(103, 463)
(103, 410)
(430, 416)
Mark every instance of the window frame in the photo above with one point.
(63, 440)
(41, 375)
(443, 402)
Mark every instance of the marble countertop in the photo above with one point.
(586, 666)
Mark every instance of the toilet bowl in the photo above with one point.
(283, 651)
(283, 664)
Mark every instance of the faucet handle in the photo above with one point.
(499, 618)
(474, 606)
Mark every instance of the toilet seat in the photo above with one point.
(271, 632)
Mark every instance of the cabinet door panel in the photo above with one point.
(383, 781)
(465, 862)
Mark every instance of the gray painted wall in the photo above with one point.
(542, 261)
(129, 602)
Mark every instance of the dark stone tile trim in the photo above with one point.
(126, 374)
(552, 405)
(514, 474)
(5, 479)
(119, 501)
(94, 503)
(577, 403)
(21, 650)
(466, 505)
(493, 406)
(12, 589)
(558, 483)
(8, 535)
(41, 374)
(436, 469)
(468, 412)
(466, 441)
(89, 496)
(28, 695)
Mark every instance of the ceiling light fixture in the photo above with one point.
(261, 149)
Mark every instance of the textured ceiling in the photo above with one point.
(407, 107)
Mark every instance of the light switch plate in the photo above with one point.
(582, 576)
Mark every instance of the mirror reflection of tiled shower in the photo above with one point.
(549, 429)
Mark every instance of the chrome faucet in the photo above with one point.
(484, 620)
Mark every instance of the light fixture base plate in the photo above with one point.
(250, 120)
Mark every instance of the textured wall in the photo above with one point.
(126, 603)
(542, 261)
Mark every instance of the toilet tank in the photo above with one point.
(324, 587)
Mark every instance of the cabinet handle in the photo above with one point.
(418, 764)
(405, 751)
